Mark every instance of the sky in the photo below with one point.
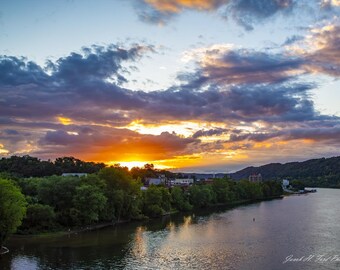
(189, 85)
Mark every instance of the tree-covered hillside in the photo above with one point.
(322, 172)
(27, 166)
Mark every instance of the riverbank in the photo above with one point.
(93, 227)
(210, 239)
(99, 226)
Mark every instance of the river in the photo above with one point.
(296, 232)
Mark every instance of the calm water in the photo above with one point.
(306, 225)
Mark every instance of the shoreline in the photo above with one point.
(103, 225)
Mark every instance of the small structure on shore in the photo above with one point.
(285, 183)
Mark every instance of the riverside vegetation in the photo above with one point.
(111, 194)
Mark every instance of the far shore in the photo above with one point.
(99, 226)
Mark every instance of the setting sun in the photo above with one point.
(140, 164)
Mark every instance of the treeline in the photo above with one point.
(322, 172)
(27, 166)
(111, 195)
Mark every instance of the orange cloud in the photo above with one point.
(175, 6)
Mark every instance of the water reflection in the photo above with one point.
(224, 239)
(24, 262)
(185, 245)
(139, 245)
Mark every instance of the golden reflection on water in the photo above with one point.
(140, 248)
(191, 243)
(184, 232)
(171, 226)
(187, 221)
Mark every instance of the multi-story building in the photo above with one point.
(255, 178)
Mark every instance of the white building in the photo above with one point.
(285, 183)
(183, 181)
(154, 181)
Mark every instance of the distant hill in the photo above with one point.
(322, 172)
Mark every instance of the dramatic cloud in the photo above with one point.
(98, 143)
(175, 6)
(244, 12)
(77, 106)
(331, 134)
(318, 50)
(325, 43)
(79, 87)
(159, 12)
(237, 103)
(76, 86)
(248, 12)
(225, 65)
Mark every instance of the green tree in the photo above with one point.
(58, 192)
(116, 178)
(298, 184)
(71, 164)
(249, 190)
(179, 200)
(38, 218)
(12, 209)
(222, 190)
(89, 201)
(202, 195)
(26, 166)
(123, 193)
(271, 188)
(157, 201)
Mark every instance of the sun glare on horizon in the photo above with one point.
(140, 164)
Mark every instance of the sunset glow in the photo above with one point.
(141, 83)
(139, 164)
